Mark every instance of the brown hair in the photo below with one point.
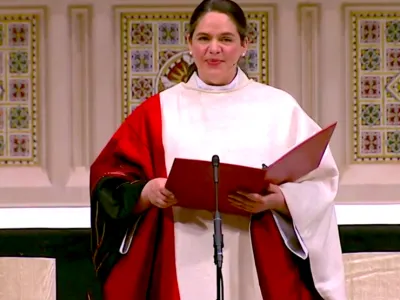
(228, 7)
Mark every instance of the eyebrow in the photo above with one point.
(224, 33)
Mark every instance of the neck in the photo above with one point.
(216, 82)
(200, 83)
(238, 82)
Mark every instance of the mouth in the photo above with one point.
(214, 62)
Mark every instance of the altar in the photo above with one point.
(370, 237)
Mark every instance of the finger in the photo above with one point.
(162, 203)
(159, 200)
(244, 194)
(242, 207)
(238, 198)
(246, 205)
(236, 203)
(251, 196)
(170, 200)
(166, 193)
(241, 195)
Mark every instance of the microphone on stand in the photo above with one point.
(218, 236)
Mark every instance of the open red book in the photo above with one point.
(192, 182)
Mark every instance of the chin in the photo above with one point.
(217, 77)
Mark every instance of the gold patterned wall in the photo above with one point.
(154, 51)
(375, 59)
(19, 95)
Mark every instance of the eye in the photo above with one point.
(227, 39)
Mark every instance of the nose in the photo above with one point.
(214, 47)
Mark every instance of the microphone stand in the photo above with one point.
(218, 236)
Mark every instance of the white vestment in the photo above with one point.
(248, 123)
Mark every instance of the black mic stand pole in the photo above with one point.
(218, 236)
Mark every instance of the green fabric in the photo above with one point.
(117, 199)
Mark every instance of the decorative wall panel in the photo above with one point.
(81, 68)
(154, 53)
(309, 17)
(19, 92)
(375, 60)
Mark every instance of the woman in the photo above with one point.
(147, 247)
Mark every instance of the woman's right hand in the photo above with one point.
(154, 192)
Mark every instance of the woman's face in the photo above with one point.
(216, 48)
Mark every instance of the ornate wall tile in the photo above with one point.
(19, 95)
(375, 48)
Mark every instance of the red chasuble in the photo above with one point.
(148, 269)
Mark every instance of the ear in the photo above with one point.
(189, 42)
(245, 44)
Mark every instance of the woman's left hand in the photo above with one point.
(256, 203)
